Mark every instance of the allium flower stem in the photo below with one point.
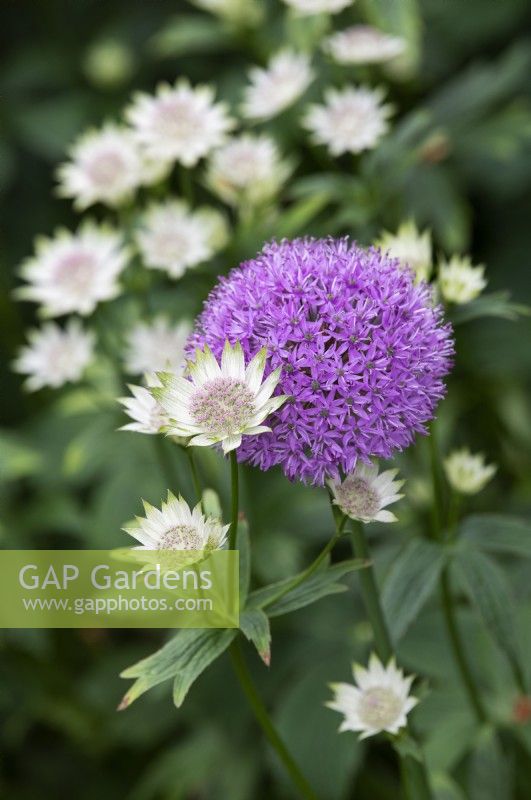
(266, 724)
(234, 482)
(371, 599)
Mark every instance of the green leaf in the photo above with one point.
(497, 304)
(295, 219)
(489, 776)
(322, 583)
(244, 547)
(183, 658)
(488, 589)
(410, 582)
(187, 33)
(498, 533)
(254, 624)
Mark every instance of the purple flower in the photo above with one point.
(362, 349)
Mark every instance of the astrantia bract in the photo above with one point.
(363, 352)
(55, 356)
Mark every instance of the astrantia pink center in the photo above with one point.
(357, 498)
(105, 168)
(182, 537)
(174, 117)
(75, 269)
(379, 707)
(223, 406)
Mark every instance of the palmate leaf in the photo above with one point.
(254, 624)
(497, 304)
(498, 533)
(183, 658)
(411, 581)
(322, 583)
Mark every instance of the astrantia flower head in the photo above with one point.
(307, 8)
(412, 248)
(468, 473)
(147, 415)
(350, 120)
(173, 238)
(363, 352)
(378, 701)
(362, 44)
(220, 404)
(176, 527)
(156, 346)
(278, 86)
(247, 170)
(73, 272)
(459, 281)
(105, 167)
(364, 494)
(179, 123)
(55, 356)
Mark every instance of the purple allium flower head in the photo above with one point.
(363, 352)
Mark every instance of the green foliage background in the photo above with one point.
(67, 480)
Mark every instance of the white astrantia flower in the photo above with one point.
(247, 170)
(362, 44)
(412, 248)
(364, 494)
(221, 403)
(271, 90)
(179, 123)
(73, 272)
(459, 281)
(156, 346)
(467, 473)
(307, 8)
(55, 356)
(350, 120)
(105, 167)
(173, 238)
(177, 527)
(378, 701)
(147, 414)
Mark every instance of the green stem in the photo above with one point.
(234, 482)
(458, 649)
(438, 496)
(303, 576)
(370, 595)
(264, 720)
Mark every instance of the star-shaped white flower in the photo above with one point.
(74, 272)
(412, 248)
(147, 414)
(271, 90)
(55, 356)
(173, 238)
(459, 281)
(364, 494)
(175, 526)
(378, 701)
(350, 120)
(467, 473)
(220, 404)
(179, 123)
(155, 346)
(362, 44)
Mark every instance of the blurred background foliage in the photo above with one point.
(458, 160)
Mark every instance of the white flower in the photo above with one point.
(220, 403)
(247, 170)
(156, 346)
(307, 8)
(147, 415)
(176, 527)
(459, 281)
(364, 494)
(378, 701)
(55, 356)
(179, 123)
(362, 44)
(351, 119)
(74, 272)
(412, 248)
(173, 238)
(105, 166)
(239, 12)
(467, 473)
(271, 90)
